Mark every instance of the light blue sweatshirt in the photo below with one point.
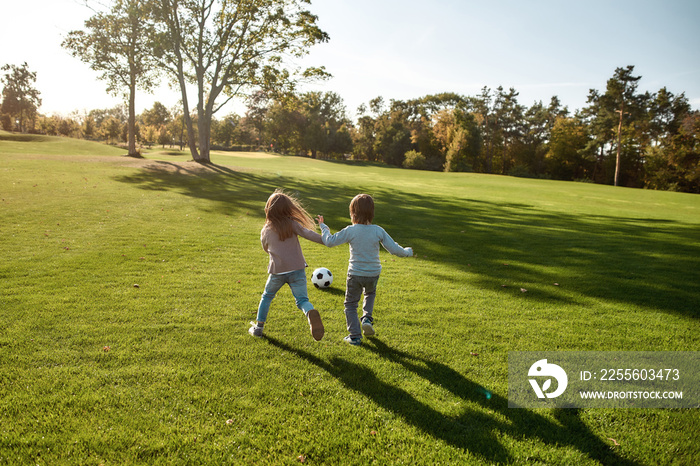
(364, 243)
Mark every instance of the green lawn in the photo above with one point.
(128, 285)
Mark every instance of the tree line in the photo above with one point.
(225, 50)
(621, 137)
(647, 140)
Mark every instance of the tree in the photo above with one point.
(231, 48)
(508, 128)
(567, 154)
(110, 129)
(116, 44)
(481, 108)
(392, 135)
(283, 124)
(89, 128)
(414, 160)
(616, 120)
(158, 116)
(177, 127)
(20, 100)
(667, 114)
(674, 162)
(458, 134)
(324, 128)
(223, 131)
(621, 88)
(465, 147)
(538, 126)
(364, 134)
(164, 136)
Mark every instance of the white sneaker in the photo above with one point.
(255, 330)
(367, 328)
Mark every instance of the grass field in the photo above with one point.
(128, 285)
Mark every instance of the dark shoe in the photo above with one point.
(317, 330)
(367, 328)
(354, 341)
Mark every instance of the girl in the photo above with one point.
(285, 220)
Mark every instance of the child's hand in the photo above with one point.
(320, 219)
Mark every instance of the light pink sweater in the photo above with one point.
(286, 256)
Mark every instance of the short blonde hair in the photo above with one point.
(362, 209)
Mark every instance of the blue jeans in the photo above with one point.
(296, 281)
(356, 285)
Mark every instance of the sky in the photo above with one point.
(407, 49)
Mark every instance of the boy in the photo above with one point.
(364, 266)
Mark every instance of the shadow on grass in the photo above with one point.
(228, 190)
(651, 263)
(22, 137)
(475, 430)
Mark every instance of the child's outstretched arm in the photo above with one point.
(393, 247)
(331, 240)
(308, 234)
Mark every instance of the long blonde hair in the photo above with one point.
(282, 210)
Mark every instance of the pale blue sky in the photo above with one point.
(404, 49)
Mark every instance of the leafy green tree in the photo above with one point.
(158, 115)
(89, 127)
(393, 140)
(501, 124)
(458, 134)
(283, 125)
(110, 129)
(245, 132)
(617, 120)
(223, 132)
(67, 127)
(463, 152)
(48, 125)
(177, 127)
(20, 100)
(414, 160)
(164, 136)
(621, 89)
(116, 44)
(674, 164)
(538, 124)
(340, 141)
(509, 127)
(363, 136)
(230, 49)
(324, 128)
(567, 156)
(481, 107)
(388, 134)
(99, 115)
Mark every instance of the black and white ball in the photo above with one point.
(322, 278)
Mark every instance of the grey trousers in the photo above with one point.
(355, 287)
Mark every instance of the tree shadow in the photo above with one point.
(475, 430)
(228, 190)
(650, 263)
(22, 137)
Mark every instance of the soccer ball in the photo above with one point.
(322, 278)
